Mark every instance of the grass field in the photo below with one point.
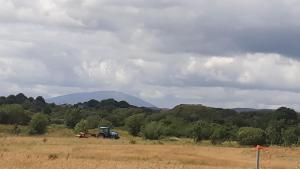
(54, 152)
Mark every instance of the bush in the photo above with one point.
(38, 124)
(134, 123)
(81, 127)
(153, 130)
(202, 130)
(273, 132)
(105, 123)
(13, 114)
(219, 135)
(289, 136)
(72, 117)
(176, 127)
(93, 121)
(251, 136)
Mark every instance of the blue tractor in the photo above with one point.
(105, 132)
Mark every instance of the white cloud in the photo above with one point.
(234, 54)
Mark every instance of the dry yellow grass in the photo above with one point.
(74, 153)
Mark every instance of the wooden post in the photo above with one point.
(257, 156)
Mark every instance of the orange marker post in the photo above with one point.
(258, 148)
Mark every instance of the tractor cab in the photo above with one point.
(105, 132)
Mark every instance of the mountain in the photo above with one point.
(99, 95)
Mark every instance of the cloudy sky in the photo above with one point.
(223, 53)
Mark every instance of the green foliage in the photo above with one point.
(289, 136)
(11, 99)
(13, 114)
(105, 123)
(108, 104)
(93, 121)
(202, 130)
(81, 127)
(273, 132)
(72, 117)
(279, 127)
(134, 123)
(38, 124)
(286, 114)
(251, 136)
(20, 98)
(219, 135)
(177, 127)
(153, 130)
(47, 110)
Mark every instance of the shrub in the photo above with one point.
(219, 135)
(13, 114)
(105, 123)
(38, 124)
(93, 121)
(177, 127)
(134, 123)
(81, 127)
(153, 130)
(72, 117)
(289, 137)
(273, 132)
(202, 130)
(251, 136)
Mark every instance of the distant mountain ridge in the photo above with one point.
(99, 95)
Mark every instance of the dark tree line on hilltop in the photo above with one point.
(278, 127)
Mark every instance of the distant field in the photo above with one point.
(52, 152)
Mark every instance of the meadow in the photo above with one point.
(63, 151)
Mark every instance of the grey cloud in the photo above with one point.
(165, 51)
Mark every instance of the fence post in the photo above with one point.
(257, 156)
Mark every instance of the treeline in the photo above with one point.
(278, 127)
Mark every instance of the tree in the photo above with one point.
(289, 136)
(38, 124)
(273, 132)
(286, 114)
(105, 123)
(219, 135)
(40, 101)
(20, 98)
(47, 110)
(202, 130)
(11, 99)
(93, 103)
(93, 121)
(13, 114)
(174, 126)
(153, 130)
(2, 100)
(81, 127)
(134, 123)
(251, 136)
(72, 117)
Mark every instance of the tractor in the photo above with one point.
(105, 132)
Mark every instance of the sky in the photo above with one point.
(221, 53)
